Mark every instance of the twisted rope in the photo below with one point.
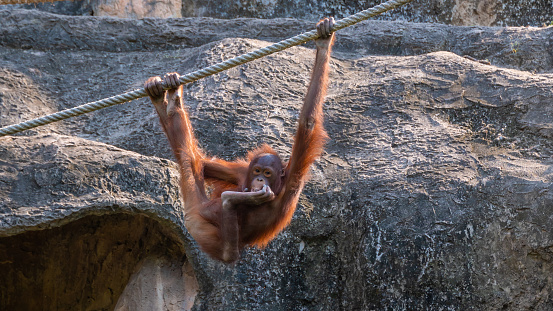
(202, 73)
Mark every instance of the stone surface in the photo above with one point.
(40, 35)
(75, 7)
(454, 12)
(137, 8)
(434, 193)
(21, 98)
(160, 285)
(78, 218)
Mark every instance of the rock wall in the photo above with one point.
(434, 191)
(137, 8)
(75, 228)
(454, 12)
(87, 265)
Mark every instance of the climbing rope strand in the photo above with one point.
(202, 73)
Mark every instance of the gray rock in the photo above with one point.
(39, 35)
(456, 12)
(75, 7)
(453, 12)
(78, 217)
(434, 193)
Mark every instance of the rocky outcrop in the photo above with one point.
(78, 218)
(137, 8)
(434, 192)
(522, 48)
(454, 12)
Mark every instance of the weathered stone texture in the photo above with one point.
(137, 8)
(454, 12)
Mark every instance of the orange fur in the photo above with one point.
(205, 217)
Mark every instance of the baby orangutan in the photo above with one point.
(253, 199)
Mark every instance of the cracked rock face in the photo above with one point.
(434, 192)
(451, 12)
